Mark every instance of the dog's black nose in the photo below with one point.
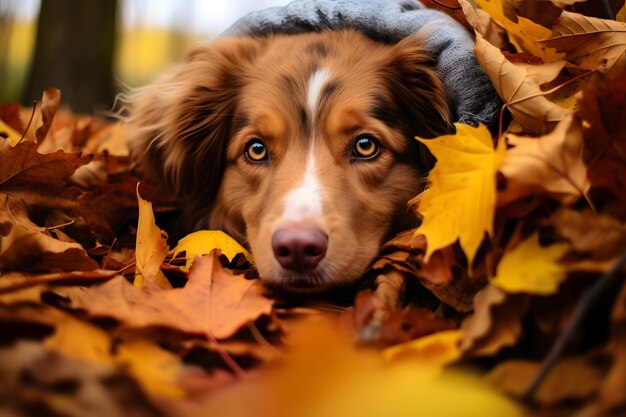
(299, 248)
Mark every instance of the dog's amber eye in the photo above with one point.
(256, 151)
(366, 147)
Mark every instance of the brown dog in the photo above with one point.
(300, 146)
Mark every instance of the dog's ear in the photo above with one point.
(180, 124)
(417, 88)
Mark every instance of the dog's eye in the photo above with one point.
(256, 151)
(365, 147)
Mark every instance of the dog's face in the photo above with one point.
(301, 146)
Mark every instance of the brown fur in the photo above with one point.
(189, 130)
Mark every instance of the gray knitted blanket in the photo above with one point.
(470, 93)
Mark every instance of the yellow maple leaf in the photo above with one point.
(459, 202)
(531, 268)
(151, 247)
(203, 242)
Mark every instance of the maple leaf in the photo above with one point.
(524, 33)
(150, 249)
(519, 86)
(212, 302)
(203, 242)
(531, 268)
(460, 199)
(603, 109)
(551, 164)
(22, 167)
(590, 43)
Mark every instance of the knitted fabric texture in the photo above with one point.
(470, 93)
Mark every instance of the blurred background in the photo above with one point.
(92, 49)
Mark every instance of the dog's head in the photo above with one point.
(301, 146)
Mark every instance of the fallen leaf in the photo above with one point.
(573, 378)
(519, 87)
(34, 377)
(435, 350)
(551, 164)
(49, 105)
(495, 324)
(597, 234)
(603, 109)
(524, 33)
(590, 43)
(151, 248)
(482, 23)
(22, 167)
(531, 268)
(212, 302)
(205, 241)
(459, 202)
(26, 246)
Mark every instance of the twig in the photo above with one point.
(106, 258)
(587, 301)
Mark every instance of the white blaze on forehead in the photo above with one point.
(316, 84)
(304, 203)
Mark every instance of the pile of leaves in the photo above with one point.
(516, 302)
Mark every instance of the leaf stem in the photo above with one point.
(600, 287)
(446, 6)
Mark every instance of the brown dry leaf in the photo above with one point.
(399, 325)
(519, 87)
(590, 43)
(495, 324)
(213, 302)
(26, 246)
(151, 248)
(482, 23)
(574, 378)
(49, 105)
(601, 236)
(603, 109)
(22, 167)
(551, 164)
(447, 278)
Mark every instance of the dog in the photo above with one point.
(300, 146)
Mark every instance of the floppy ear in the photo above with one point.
(180, 124)
(418, 89)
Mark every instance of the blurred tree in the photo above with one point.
(74, 51)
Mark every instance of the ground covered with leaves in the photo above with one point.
(516, 305)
